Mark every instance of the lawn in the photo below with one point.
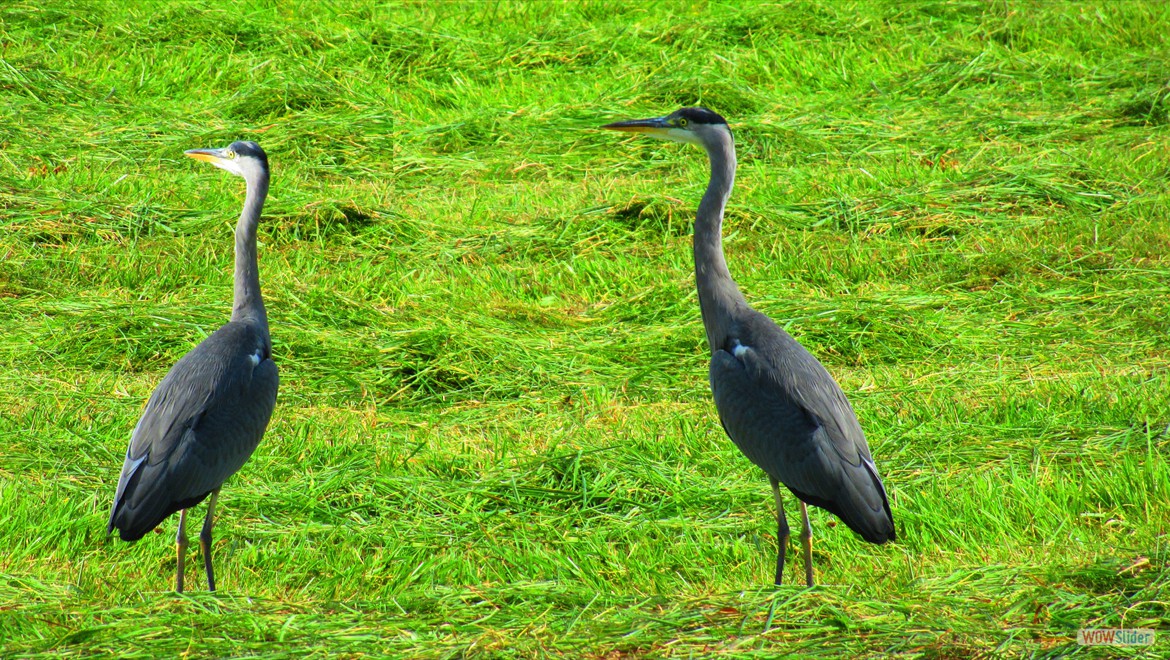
(494, 435)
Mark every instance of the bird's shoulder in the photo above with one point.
(233, 339)
(774, 354)
(229, 353)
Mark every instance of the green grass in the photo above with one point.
(494, 436)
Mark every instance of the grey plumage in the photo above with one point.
(788, 416)
(208, 414)
(777, 403)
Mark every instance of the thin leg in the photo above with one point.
(806, 540)
(205, 540)
(781, 533)
(181, 548)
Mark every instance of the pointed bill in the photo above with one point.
(655, 126)
(206, 155)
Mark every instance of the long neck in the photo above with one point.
(248, 305)
(718, 295)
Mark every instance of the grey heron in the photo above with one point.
(775, 400)
(207, 416)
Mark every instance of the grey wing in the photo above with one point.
(771, 430)
(200, 426)
(794, 422)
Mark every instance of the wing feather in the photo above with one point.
(788, 416)
(200, 426)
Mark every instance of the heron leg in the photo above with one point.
(181, 548)
(806, 541)
(205, 540)
(781, 533)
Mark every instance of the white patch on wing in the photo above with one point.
(255, 357)
(739, 350)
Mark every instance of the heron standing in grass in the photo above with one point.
(776, 401)
(209, 412)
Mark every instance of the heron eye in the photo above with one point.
(682, 122)
(231, 153)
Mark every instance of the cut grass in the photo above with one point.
(494, 436)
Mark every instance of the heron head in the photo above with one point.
(242, 158)
(695, 125)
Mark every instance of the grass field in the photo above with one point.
(494, 436)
